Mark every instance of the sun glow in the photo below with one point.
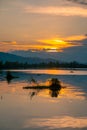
(56, 44)
(48, 45)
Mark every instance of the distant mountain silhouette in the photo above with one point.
(75, 53)
(14, 58)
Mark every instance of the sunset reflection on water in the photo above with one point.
(46, 108)
(57, 122)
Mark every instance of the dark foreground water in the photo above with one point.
(43, 109)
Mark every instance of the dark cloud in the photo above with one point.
(86, 35)
(83, 2)
(83, 44)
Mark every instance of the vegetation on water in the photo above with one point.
(54, 88)
(17, 65)
(9, 76)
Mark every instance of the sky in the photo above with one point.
(49, 25)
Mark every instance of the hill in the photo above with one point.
(77, 53)
(14, 58)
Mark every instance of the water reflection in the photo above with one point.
(1, 97)
(62, 122)
(9, 77)
(54, 86)
(41, 85)
(66, 111)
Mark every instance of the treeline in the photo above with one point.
(17, 65)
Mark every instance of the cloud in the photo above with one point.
(8, 42)
(46, 45)
(52, 10)
(76, 37)
(8, 45)
(79, 40)
(83, 2)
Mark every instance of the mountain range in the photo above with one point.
(15, 58)
(77, 53)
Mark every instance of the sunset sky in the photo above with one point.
(50, 25)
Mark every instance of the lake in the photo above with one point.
(43, 108)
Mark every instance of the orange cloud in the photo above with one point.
(76, 37)
(50, 45)
(57, 44)
(51, 10)
(14, 42)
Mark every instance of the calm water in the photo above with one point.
(43, 109)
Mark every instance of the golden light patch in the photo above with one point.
(76, 38)
(14, 42)
(52, 10)
(49, 45)
(56, 44)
